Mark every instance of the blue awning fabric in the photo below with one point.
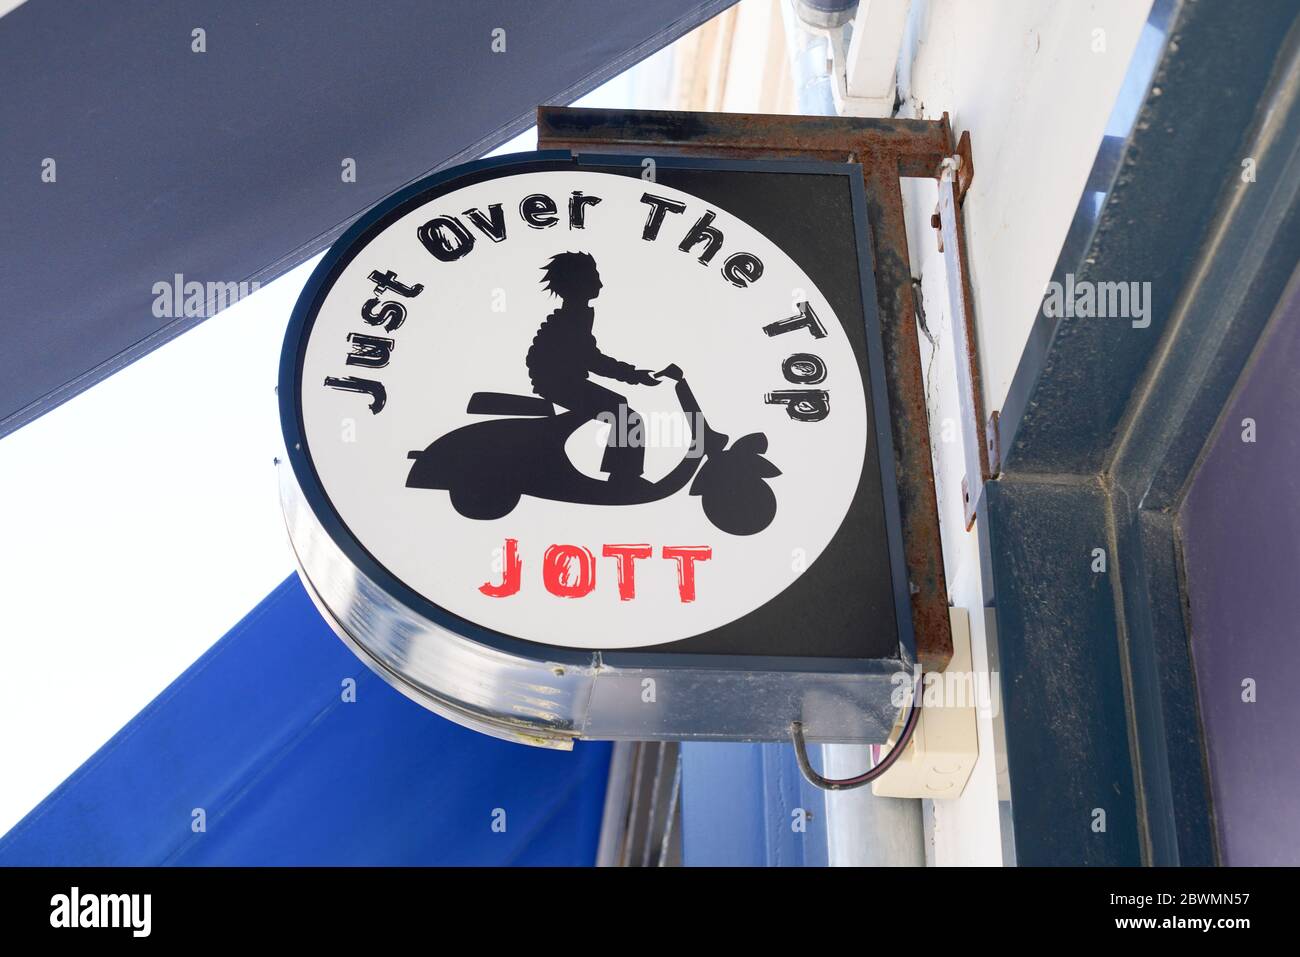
(738, 802)
(151, 147)
(257, 734)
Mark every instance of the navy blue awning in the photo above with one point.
(192, 142)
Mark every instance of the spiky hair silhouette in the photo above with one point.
(568, 273)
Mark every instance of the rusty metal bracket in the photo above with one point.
(887, 150)
(993, 441)
(954, 176)
(965, 166)
(964, 172)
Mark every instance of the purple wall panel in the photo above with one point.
(1241, 544)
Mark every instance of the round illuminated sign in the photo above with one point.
(576, 407)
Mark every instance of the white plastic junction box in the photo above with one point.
(941, 755)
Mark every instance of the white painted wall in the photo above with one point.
(1034, 82)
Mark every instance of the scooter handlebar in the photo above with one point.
(671, 372)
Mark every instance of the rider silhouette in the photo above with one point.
(564, 352)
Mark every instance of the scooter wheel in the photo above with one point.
(481, 504)
(741, 510)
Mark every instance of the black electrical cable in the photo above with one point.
(866, 777)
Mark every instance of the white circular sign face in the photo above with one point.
(531, 406)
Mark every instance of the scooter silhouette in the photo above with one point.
(488, 466)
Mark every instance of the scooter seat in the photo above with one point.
(505, 403)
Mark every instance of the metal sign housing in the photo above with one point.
(476, 495)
